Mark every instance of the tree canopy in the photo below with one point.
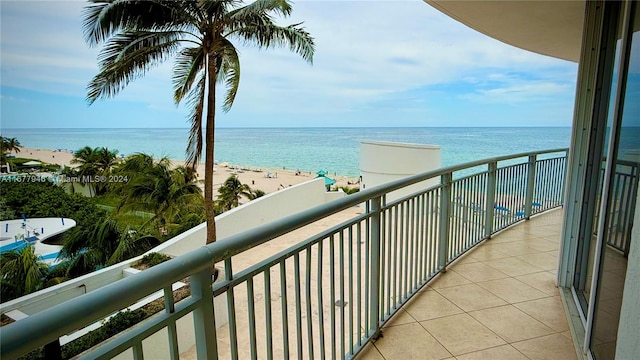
(138, 35)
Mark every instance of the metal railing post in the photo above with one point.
(635, 182)
(531, 179)
(565, 170)
(374, 264)
(491, 199)
(203, 316)
(390, 238)
(445, 210)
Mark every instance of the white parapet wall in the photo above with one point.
(263, 210)
(46, 298)
(382, 162)
(260, 211)
(268, 208)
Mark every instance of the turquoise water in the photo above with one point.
(336, 150)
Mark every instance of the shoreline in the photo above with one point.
(281, 178)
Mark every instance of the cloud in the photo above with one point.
(366, 53)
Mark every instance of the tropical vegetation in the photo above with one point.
(156, 202)
(138, 35)
(89, 248)
(152, 185)
(349, 190)
(231, 191)
(8, 145)
(21, 273)
(93, 165)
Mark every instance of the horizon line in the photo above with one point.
(285, 127)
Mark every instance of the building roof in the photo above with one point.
(552, 28)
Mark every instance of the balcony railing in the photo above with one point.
(622, 205)
(328, 295)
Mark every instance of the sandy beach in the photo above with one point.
(280, 178)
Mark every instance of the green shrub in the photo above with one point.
(349, 190)
(50, 167)
(118, 323)
(45, 199)
(153, 259)
(19, 161)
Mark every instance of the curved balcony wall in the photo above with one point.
(331, 292)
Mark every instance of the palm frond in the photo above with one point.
(105, 18)
(280, 7)
(196, 99)
(216, 9)
(229, 72)
(136, 163)
(294, 36)
(128, 56)
(130, 246)
(189, 63)
(74, 242)
(84, 263)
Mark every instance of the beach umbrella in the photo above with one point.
(321, 173)
(328, 181)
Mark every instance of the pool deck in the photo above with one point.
(18, 233)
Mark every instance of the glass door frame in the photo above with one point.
(624, 20)
(593, 98)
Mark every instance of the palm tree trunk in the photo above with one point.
(209, 150)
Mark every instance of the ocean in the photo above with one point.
(336, 150)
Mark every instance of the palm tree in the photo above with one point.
(256, 193)
(138, 35)
(88, 248)
(103, 244)
(106, 159)
(95, 162)
(154, 186)
(22, 272)
(231, 191)
(10, 144)
(6, 146)
(132, 244)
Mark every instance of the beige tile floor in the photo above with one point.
(499, 301)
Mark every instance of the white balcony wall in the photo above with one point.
(382, 162)
(268, 208)
(46, 298)
(263, 210)
(260, 211)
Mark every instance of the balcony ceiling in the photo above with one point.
(552, 28)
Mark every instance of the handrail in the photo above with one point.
(238, 243)
(18, 338)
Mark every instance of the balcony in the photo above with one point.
(498, 301)
(331, 281)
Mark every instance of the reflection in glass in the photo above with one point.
(599, 145)
(622, 204)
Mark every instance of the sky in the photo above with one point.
(377, 63)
